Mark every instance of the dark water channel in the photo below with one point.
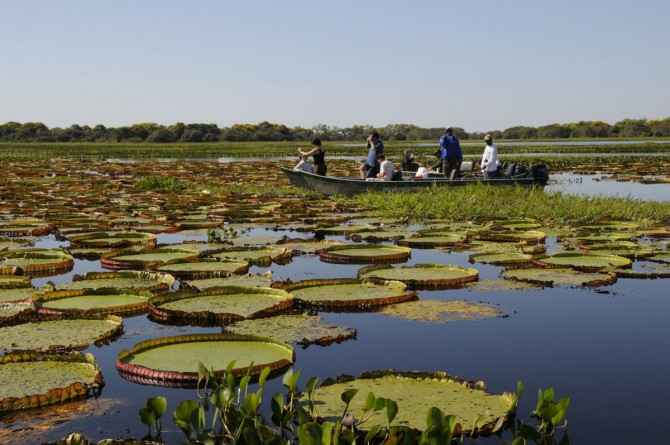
(607, 349)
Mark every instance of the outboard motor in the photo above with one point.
(540, 173)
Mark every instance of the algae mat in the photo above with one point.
(414, 395)
(440, 311)
(296, 329)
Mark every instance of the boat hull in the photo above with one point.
(331, 185)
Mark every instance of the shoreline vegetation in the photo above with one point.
(481, 202)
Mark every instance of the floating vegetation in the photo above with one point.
(515, 259)
(586, 262)
(16, 295)
(299, 246)
(255, 280)
(441, 311)
(375, 236)
(661, 258)
(500, 285)
(15, 313)
(205, 269)
(219, 305)
(414, 392)
(113, 240)
(124, 280)
(345, 229)
(86, 302)
(422, 276)
(429, 241)
(365, 253)
(173, 361)
(37, 262)
(301, 329)
(146, 259)
(24, 227)
(645, 270)
(346, 294)
(33, 380)
(14, 282)
(527, 236)
(560, 277)
(56, 335)
(263, 256)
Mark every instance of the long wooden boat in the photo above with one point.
(332, 185)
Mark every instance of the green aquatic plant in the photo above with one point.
(441, 311)
(165, 184)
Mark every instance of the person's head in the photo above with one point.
(316, 142)
(381, 158)
(409, 156)
(449, 131)
(374, 136)
(488, 139)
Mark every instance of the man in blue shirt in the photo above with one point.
(370, 168)
(450, 153)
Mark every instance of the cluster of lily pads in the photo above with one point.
(97, 213)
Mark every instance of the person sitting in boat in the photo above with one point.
(370, 168)
(318, 154)
(421, 173)
(450, 153)
(489, 164)
(304, 165)
(408, 162)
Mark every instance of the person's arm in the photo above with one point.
(485, 159)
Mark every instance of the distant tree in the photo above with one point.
(161, 135)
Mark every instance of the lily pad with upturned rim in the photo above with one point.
(560, 277)
(15, 313)
(146, 259)
(502, 259)
(661, 258)
(263, 256)
(205, 269)
(429, 241)
(113, 239)
(173, 361)
(414, 392)
(15, 295)
(219, 305)
(422, 276)
(123, 280)
(14, 282)
(54, 335)
(33, 380)
(347, 294)
(255, 280)
(365, 254)
(38, 262)
(92, 302)
(586, 262)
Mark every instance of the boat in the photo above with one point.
(538, 175)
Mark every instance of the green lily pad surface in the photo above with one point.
(124, 280)
(441, 311)
(263, 256)
(13, 282)
(113, 239)
(205, 269)
(254, 280)
(423, 276)
(559, 277)
(434, 240)
(502, 259)
(585, 261)
(661, 258)
(414, 394)
(57, 334)
(115, 303)
(307, 247)
(11, 312)
(38, 261)
(500, 285)
(7, 295)
(349, 293)
(147, 259)
(365, 253)
(293, 329)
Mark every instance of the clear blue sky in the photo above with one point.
(477, 64)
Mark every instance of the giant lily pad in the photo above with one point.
(205, 269)
(173, 361)
(429, 241)
(13, 282)
(415, 392)
(661, 258)
(365, 253)
(219, 305)
(148, 259)
(528, 236)
(92, 302)
(307, 246)
(388, 234)
(15, 313)
(113, 239)
(263, 256)
(124, 280)
(346, 294)
(422, 276)
(255, 280)
(37, 262)
(586, 262)
(14, 295)
(646, 270)
(345, 229)
(441, 311)
(32, 380)
(502, 259)
(299, 329)
(560, 277)
(59, 334)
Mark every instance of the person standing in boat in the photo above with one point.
(450, 153)
(489, 164)
(318, 154)
(370, 168)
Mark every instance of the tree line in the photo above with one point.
(266, 131)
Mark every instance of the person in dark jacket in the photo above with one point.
(408, 162)
(318, 154)
(450, 153)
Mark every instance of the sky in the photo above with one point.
(476, 64)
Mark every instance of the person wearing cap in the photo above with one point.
(450, 153)
(489, 164)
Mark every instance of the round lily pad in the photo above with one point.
(422, 276)
(298, 329)
(528, 236)
(130, 280)
(205, 269)
(441, 311)
(661, 258)
(255, 280)
(379, 235)
(499, 285)
(345, 229)
(219, 305)
(14, 295)
(586, 262)
(59, 334)
(146, 259)
(429, 241)
(113, 239)
(24, 227)
(307, 246)
(92, 302)
(15, 313)
(263, 256)
(560, 277)
(365, 253)
(33, 380)
(38, 262)
(502, 259)
(646, 270)
(347, 294)
(88, 253)
(14, 282)
(635, 252)
(414, 392)
(173, 361)
(606, 238)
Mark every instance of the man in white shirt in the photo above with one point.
(489, 164)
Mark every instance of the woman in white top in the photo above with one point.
(489, 164)
(385, 169)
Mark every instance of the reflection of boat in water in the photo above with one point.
(538, 175)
